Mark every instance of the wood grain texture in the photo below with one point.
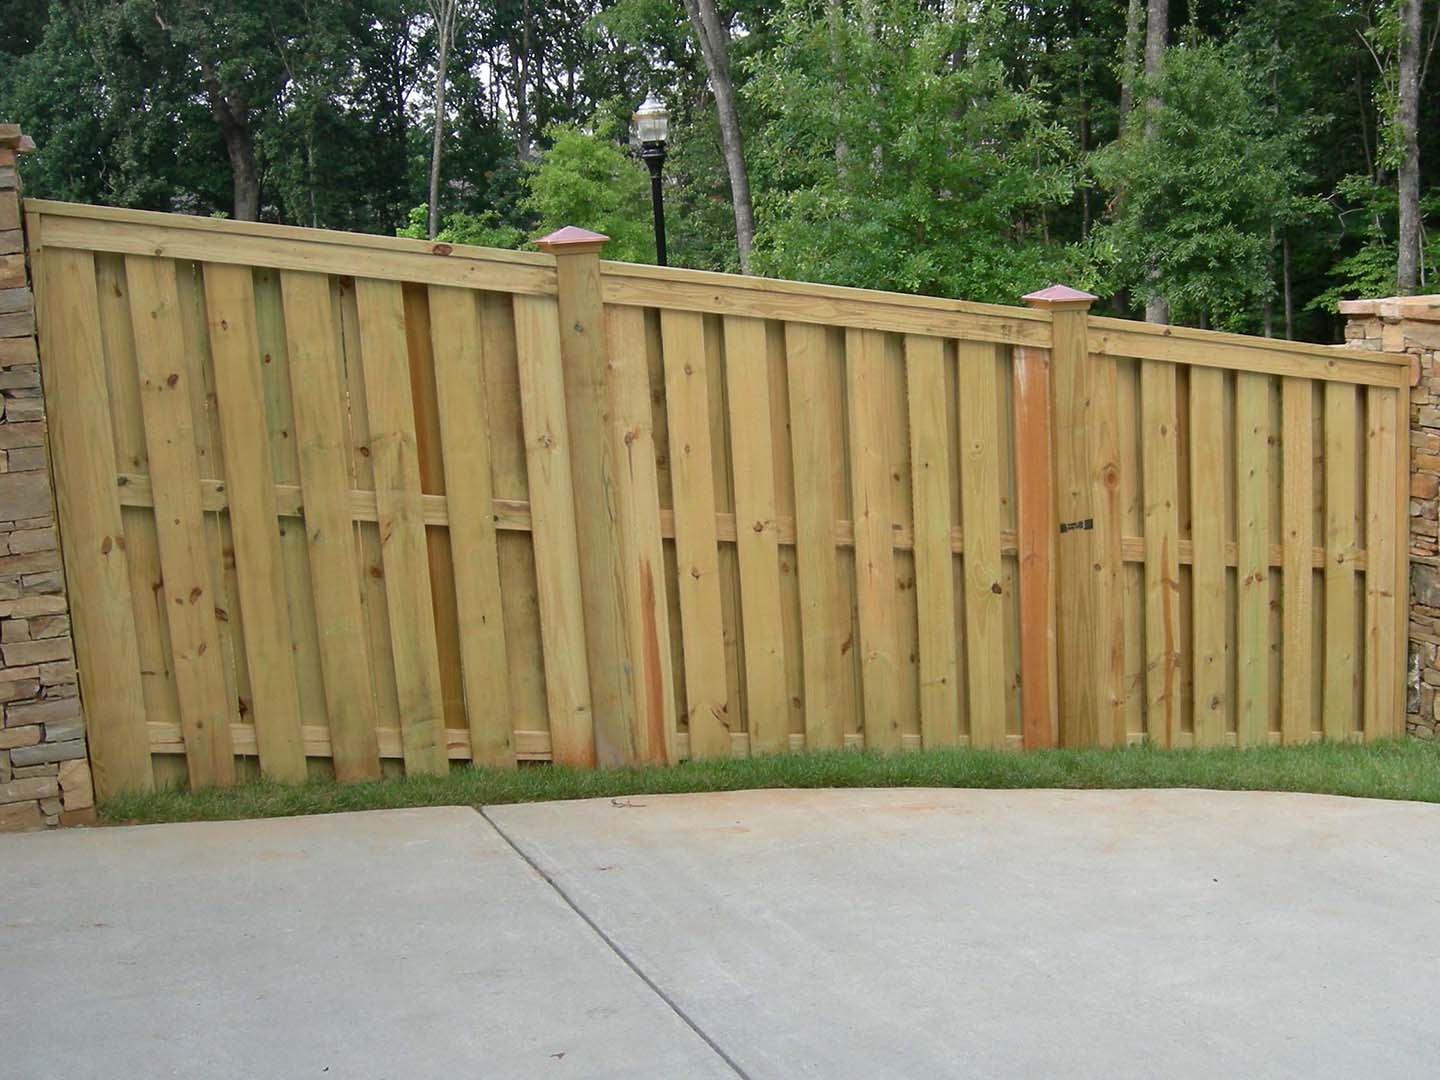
(190, 592)
(1159, 423)
(815, 448)
(865, 375)
(934, 561)
(394, 454)
(752, 453)
(1384, 706)
(254, 521)
(97, 572)
(320, 439)
(1210, 624)
(979, 374)
(1252, 490)
(1297, 595)
(696, 546)
(459, 364)
(552, 506)
(1343, 497)
(632, 440)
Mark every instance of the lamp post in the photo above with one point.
(652, 126)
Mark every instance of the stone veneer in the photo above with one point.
(44, 773)
(1411, 325)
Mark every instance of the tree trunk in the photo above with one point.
(1131, 58)
(443, 12)
(715, 48)
(1157, 33)
(1407, 270)
(1289, 295)
(244, 171)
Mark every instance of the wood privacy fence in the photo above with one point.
(332, 501)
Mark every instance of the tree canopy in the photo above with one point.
(1281, 156)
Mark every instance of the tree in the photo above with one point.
(947, 171)
(1157, 33)
(1407, 271)
(715, 48)
(588, 180)
(443, 14)
(1203, 193)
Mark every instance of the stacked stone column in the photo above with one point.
(1410, 325)
(44, 775)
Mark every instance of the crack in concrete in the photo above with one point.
(614, 947)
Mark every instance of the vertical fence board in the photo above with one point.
(1035, 529)
(814, 448)
(310, 333)
(254, 522)
(1297, 598)
(631, 435)
(1383, 495)
(402, 529)
(372, 570)
(434, 477)
(189, 591)
(1108, 564)
(934, 560)
(1252, 491)
(979, 367)
(552, 512)
(1341, 540)
(1210, 632)
(464, 412)
(874, 539)
(1159, 424)
(96, 568)
(696, 547)
(752, 459)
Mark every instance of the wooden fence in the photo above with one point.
(332, 501)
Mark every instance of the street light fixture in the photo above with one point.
(652, 127)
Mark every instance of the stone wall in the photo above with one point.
(1411, 325)
(44, 774)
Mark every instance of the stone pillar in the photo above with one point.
(1411, 325)
(44, 774)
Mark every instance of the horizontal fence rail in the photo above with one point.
(338, 504)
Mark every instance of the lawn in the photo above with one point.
(1408, 769)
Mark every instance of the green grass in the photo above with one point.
(1407, 769)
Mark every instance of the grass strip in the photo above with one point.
(1405, 769)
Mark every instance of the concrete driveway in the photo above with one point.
(907, 933)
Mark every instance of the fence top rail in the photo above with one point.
(1214, 348)
(285, 247)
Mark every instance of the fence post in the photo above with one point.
(1089, 654)
(617, 516)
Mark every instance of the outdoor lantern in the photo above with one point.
(652, 122)
(652, 127)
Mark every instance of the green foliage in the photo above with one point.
(483, 229)
(1369, 270)
(1197, 202)
(896, 157)
(587, 179)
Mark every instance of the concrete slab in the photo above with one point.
(1021, 934)
(401, 944)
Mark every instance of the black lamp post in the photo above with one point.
(652, 126)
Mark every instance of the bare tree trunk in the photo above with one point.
(524, 144)
(1157, 32)
(715, 48)
(1407, 270)
(240, 148)
(1289, 294)
(443, 12)
(1131, 58)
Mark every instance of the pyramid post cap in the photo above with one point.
(1060, 296)
(571, 240)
